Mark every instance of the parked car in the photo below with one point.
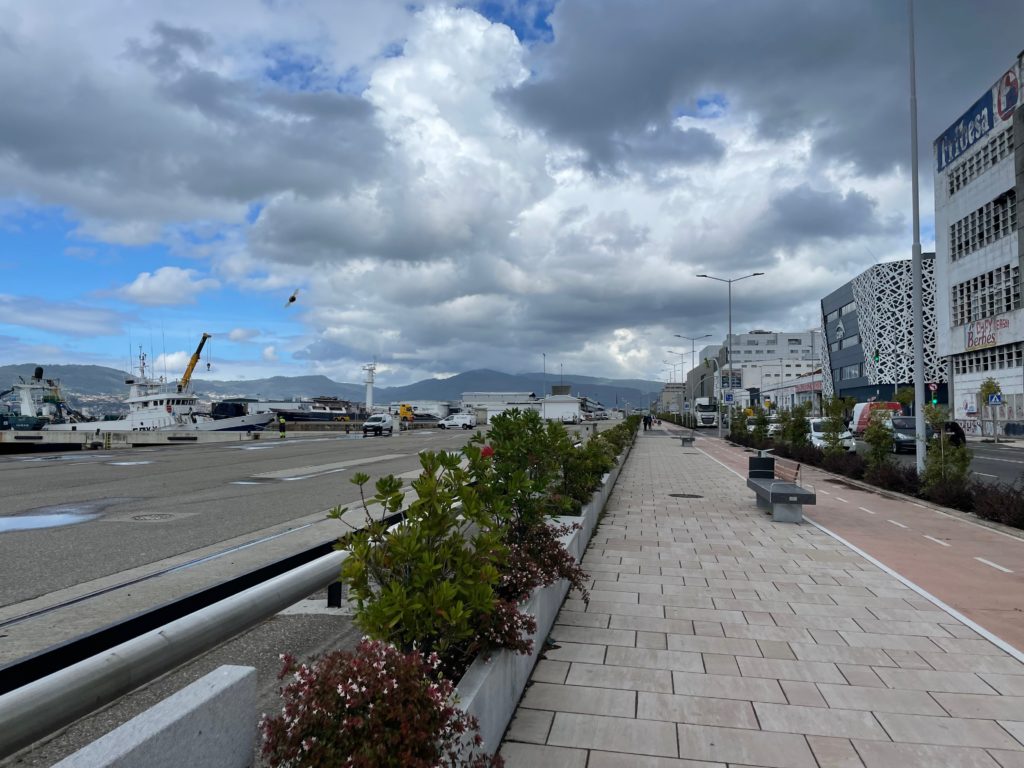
(774, 426)
(457, 421)
(862, 414)
(751, 423)
(379, 424)
(817, 436)
(904, 433)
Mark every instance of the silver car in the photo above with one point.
(817, 435)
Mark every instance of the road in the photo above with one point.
(991, 462)
(201, 511)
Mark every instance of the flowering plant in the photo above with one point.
(371, 708)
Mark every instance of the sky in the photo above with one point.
(451, 186)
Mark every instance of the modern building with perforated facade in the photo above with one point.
(978, 252)
(868, 327)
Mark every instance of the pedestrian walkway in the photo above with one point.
(715, 637)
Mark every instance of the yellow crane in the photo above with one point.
(183, 384)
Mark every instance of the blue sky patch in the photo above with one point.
(530, 22)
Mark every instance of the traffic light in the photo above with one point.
(877, 356)
(935, 399)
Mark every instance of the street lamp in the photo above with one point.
(721, 387)
(693, 357)
(729, 281)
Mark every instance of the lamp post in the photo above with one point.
(693, 357)
(917, 280)
(729, 281)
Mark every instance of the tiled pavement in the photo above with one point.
(715, 637)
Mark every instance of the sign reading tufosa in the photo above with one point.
(992, 110)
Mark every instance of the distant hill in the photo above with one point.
(98, 384)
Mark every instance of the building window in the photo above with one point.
(751, 342)
(849, 341)
(985, 295)
(832, 316)
(851, 307)
(855, 371)
(796, 342)
(990, 154)
(992, 359)
(987, 224)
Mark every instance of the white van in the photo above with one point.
(379, 424)
(456, 420)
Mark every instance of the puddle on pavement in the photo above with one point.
(56, 516)
(33, 522)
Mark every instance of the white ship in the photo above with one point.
(154, 404)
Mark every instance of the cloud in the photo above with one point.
(167, 286)
(243, 334)
(269, 354)
(60, 317)
(471, 186)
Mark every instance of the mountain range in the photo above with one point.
(99, 386)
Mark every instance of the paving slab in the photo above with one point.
(716, 637)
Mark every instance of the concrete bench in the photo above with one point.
(685, 440)
(777, 489)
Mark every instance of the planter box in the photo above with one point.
(492, 686)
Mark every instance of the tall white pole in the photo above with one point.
(917, 287)
(729, 361)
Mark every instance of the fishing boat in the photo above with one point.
(36, 404)
(157, 405)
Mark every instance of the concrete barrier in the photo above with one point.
(492, 686)
(211, 722)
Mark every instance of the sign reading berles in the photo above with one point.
(993, 109)
(982, 334)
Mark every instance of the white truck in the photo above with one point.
(457, 421)
(379, 424)
(705, 410)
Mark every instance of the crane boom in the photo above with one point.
(185, 379)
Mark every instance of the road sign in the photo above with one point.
(996, 399)
(728, 397)
(686, 407)
(933, 386)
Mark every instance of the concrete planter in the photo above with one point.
(492, 686)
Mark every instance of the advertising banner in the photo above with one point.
(993, 110)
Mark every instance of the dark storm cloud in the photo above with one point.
(834, 67)
(804, 213)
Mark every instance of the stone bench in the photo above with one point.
(777, 489)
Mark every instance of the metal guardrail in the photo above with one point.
(34, 710)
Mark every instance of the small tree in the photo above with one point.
(795, 429)
(835, 423)
(905, 397)
(760, 425)
(878, 436)
(946, 465)
(988, 388)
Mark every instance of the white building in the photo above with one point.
(486, 405)
(564, 408)
(978, 253)
(761, 359)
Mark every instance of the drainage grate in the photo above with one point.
(154, 516)
(685, 496)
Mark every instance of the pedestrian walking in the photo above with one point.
(281, 425)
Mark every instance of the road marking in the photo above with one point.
(901, 525)
(922, 506)
(301, 473)
(994, 565)
(984, 474)
(839, 498)
(825, 492)
(938, 541)
(865, 509)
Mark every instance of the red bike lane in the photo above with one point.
(973, 569)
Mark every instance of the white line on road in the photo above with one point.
(838, 498)
(984, 474)
(901, 525)
(865, 509)
(922, 506)
(938, 541)
(825, 492)
(994, 565)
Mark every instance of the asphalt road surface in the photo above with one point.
(202, 512)
(991, 462)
